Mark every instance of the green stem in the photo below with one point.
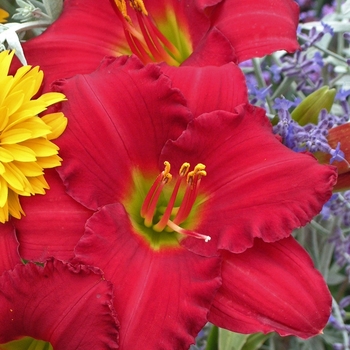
(213, 337)
(326, 51)
(261, 82)
(320, 228)
(22, 27)
(337, 315)
(287, 84)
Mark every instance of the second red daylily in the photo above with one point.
(339, 139)
(179, 33)
(213, 243)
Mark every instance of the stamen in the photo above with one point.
(193, 181)
(138, 5)
(150, 203)
(121, 5)
(183, 231)
(160, 226)
(137, 48)
(147, 42)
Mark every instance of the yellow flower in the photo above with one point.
(3, 16)
(25, 146)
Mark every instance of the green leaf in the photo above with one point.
(230, 340)
(53, 8)
(235, 341)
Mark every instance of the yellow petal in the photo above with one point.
(15, 136)
(3, 192)
(29, 169)
(14, 205)
(3, 16)
(4, 112)
(20, 153)
(14, 101)
(57, 122)
(5, 61)
(51, 98)
(39, 184)
(41, 147)
(15, 179)
(4, 213)
(5, 156)
(37, 127)
(49, 162)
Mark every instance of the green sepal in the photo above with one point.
(26, 343)
(309, 109)
(235, 341)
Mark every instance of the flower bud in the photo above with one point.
(309, 109)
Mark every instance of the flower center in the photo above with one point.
(154, 41)
(26, 343)
(167, 209)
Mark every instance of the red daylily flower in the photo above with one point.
(68, 306)
(200, 33)
(213, 244)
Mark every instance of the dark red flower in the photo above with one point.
(177, 251)
(339, 137)
(197, 33)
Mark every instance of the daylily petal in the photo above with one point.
(77, 41)
(255, 186)
(272, 287)
(214, 88)
(9, 256)
(214, 49)
(53, 223)
(162, 297)
(256, 28)
(110, 103)
(343, 182)
(70, 307)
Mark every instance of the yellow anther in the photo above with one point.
(184, 169)
(121, 4)
(190, 177)
(167, 178)
(167, 167)
(197, 171)
(202, 173)
(138, 5)
(199, 167)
